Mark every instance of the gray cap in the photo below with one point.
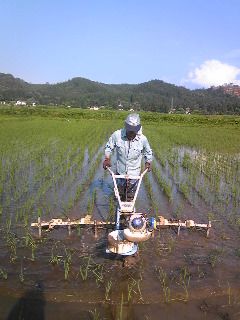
(132, 122)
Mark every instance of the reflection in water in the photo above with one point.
(30, 306)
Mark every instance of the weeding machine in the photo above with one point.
(130, 227)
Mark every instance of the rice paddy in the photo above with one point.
(52, 167)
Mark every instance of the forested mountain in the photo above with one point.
(154, 95)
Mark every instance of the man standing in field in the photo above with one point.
(130, 145)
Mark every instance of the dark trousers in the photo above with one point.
(127, 188)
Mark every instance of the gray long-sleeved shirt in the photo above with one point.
(129, 152)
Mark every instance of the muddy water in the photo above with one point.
(175, 277)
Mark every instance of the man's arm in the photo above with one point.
(110, 146)
(148, 154)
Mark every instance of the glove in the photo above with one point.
(106, 163)
(148, 166)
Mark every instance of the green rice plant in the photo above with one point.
(98, 273)
(111, 209)
(237, 251)
(139, 290)
(229, 294)
(30, 242)
(184, 188)
(186, 161)
(67, 263)
(162, 276)
(78, 228)
(149, 189)
(55, 259)
(171, 242)
(184, 281)
(8, 224)
(214, 256)
(132, 283)
(12, 244)
(21, 274)
(120, 314)
(95, 315)
(3, 274)
(85, 268)
(108, 289)
(162, 183)
(177, 212)
(210, 216)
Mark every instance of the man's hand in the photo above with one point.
(106, 163)
(148, 166)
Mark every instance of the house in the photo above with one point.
(20, 103)
(172, 110)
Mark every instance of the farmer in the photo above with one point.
(131, 145)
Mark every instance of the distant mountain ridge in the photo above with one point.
(154, 95)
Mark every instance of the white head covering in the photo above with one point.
(132, 122)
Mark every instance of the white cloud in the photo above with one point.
(214, 73)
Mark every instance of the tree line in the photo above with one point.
(154, 95)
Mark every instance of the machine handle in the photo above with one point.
(125, 176)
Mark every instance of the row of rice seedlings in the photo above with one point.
(150, 193)
(92, 202)
(162, 182)
(86, 182)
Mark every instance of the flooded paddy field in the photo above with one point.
(53, 168)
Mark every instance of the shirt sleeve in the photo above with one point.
(110, 146)
(147, 151)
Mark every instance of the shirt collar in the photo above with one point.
(124, 134)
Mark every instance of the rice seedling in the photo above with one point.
(30, 242)
(162, 276)
(12, 244)
(55, 259)
(184, 281)
(85, 268)
(229, 293)
(108, 288)
(214, 256)
(98, 273)
(95, 315)
(67, 263)
(21, 274)
(132, 283)
(3, 274)
(120, 315)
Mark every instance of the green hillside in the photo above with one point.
(154, 95)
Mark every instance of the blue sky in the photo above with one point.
(194, 43)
